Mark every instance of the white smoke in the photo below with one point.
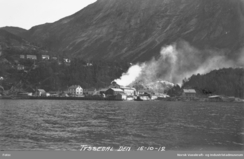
(177, 62)
(132, 74)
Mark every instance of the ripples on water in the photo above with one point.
(65, 125)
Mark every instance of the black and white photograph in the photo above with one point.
(151, 76)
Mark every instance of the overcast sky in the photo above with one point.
(28, 13)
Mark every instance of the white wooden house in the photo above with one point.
(189, 93)
(32, 57)
(75, 91)
(45, 57)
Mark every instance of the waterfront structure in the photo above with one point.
(32, 57)
(90, 92)
(121, 96)
(189, 93)
(113, 92)
(215, 98)
(53, 94)
(144, 92)
(40, 92)
(45, 57)
(25, 94)
(129, 91)
(75, 90)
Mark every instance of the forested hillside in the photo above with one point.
(227, 81)
(53, 76)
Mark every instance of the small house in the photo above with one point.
(20, 67)
(145, 92)
(75, 91)
(102, 92)
(113, 92)
(189, 93)
(31, 57)
(53, 94)
(129, 91)
(90, 92)
(22, 56)
(121, 96)
(63, 94)
(40, 92)
(45, 57)
(215, 98)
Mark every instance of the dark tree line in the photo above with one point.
(226, 81)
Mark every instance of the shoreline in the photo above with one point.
(107, 99)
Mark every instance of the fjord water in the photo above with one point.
(66, 125)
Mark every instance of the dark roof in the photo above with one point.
(41, 90)
(74, 86)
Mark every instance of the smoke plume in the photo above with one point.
(132, 74)
(177, 62)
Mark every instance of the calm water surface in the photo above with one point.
(65, 125)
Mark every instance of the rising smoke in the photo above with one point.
(177, 62)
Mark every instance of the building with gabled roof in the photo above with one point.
(113, 91)
(75, 91)
(40, 92)
(189, 93)
(129, 91)
(32, 57)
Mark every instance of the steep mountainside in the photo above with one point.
(11, 41)
(8, 39)
(137, 29)
(14, 30)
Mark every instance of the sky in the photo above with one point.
(28, 13)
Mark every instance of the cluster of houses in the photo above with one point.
(43, 57)
(114, 91)
(35, 57)
(40, 57)
(117, 92)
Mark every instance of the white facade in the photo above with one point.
(75, 90)
(45, 57)
(32, 57)
(129, 91)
